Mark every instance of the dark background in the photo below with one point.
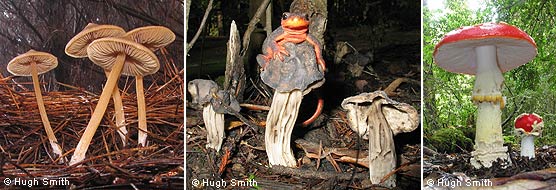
(46, 25)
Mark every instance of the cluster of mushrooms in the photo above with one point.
(372, 115)
(117, 52)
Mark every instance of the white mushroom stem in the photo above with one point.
(118, 112)
(528, 146)
(141, 111)
(489, 78)
(214, 122)
(98, 113)
(56, 149)
(488, 139)
(279, 126)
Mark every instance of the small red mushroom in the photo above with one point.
(529, 126)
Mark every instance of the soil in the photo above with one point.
(502, 172)
(242, 157)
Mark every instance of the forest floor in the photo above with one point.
(109, 164)
(518, 173)
(375, 65)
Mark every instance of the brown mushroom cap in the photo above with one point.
(139, 59)
(152, 37)
(77, 46)
(21, 65)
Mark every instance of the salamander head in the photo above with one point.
(294, 21)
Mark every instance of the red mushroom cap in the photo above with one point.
(528, 123)
(455, 52)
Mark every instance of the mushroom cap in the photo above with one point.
(298, 71)
(455, 52)
(529, 124)
(139, 59)
(77, 46)
(401, 117)
(152, 37)
(201, 91)
(21, 65)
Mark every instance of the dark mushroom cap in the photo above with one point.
(77, 46)
(21, 65)
(152, 37)
(139, 59)
(455, 52)
(298, 71)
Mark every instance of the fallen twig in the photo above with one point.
(316, 174)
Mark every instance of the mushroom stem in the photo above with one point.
(141, 111)
(118, 112)
(98, 113)
(489, 78)
(279, 126)
(528, 146)
(488, 139)
(56, 149)
(382, 153)
(214, 122)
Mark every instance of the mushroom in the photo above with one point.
(377, 118)
(486, 50)
(202, 91)
(528, 126)
(291, 78)
(77, 48)
(34, 63)
(120, 55)
(154, 38)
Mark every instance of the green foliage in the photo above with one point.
(252, 178)
(447, 96)
(530, 88)
(511, 139)
(533, 85)
(450, 140)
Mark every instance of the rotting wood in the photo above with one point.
(234, 80)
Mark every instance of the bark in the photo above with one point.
(234, 81)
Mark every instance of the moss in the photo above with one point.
(468, 131)
(450, 140)
(220, 81)
(511, 139)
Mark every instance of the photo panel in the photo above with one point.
(487, 94)
(303, 94)
(92, 94)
